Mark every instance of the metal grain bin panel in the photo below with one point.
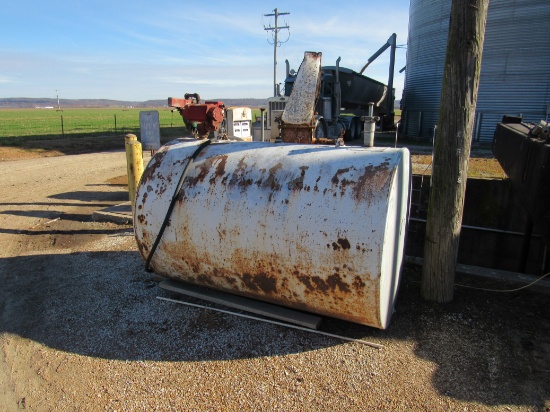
(425, 57)
(514, 71)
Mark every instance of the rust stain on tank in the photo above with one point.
(220, 168)
(344, 243)
(328, 287)
(298, 183)
(335, 281)
(373, 178)
(260, 281)
(340, 244)
(271, 182)
(150, 170)
(336, 179)
(238, 174)
(204, 170)
(358, 284)
(245, 183)
(221, 233)
(203, 279)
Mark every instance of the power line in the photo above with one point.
(275, 31)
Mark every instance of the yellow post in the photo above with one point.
(130, 138)
(134, 165)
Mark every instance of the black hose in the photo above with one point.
(172, 203)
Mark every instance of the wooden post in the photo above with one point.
(452, 147)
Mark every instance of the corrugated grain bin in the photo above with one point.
(315, 228)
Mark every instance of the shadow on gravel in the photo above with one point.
(59, 232)
(40, 214)
(65, 204)
(489, 348)
(89, 196)
(103, 304)
(121, 185)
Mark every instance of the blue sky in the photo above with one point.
(140, 50)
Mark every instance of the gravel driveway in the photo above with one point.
(81, 328)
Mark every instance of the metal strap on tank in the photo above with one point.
(172, 203)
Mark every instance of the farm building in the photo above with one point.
(515, 68)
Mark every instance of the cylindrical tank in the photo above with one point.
(315, 228)
(514, 69)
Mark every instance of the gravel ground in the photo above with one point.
(81, 328)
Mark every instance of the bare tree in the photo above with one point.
(452, 147)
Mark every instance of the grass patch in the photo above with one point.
(73, 131)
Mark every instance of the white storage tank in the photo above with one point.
(315, 228)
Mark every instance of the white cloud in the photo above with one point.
(6, 79)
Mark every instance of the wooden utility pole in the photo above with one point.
(276, 42)
(452, 147)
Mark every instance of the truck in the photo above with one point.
(344, 97)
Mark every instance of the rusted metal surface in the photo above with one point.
(201, 119)
(296, 134)
(298, 117)
(310, 227)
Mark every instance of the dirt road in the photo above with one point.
(81, 329)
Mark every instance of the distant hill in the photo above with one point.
(30, 102)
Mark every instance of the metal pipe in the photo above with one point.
(390, 98)
(375, 55)
(370, 122)
(337, 94)
(480, 229)
(275, 91)
(262, 110)
(287, 68)
(274, 322)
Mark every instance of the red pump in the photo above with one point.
(200, 119)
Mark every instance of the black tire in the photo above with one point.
(356, 128)
(320, 129)
(348, 136)
(353, 127)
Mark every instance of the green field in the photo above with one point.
(18, 126)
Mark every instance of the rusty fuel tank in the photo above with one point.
(311, 227)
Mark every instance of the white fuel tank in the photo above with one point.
(315, 228)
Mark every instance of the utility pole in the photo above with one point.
(275, 31)
(452, 147)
